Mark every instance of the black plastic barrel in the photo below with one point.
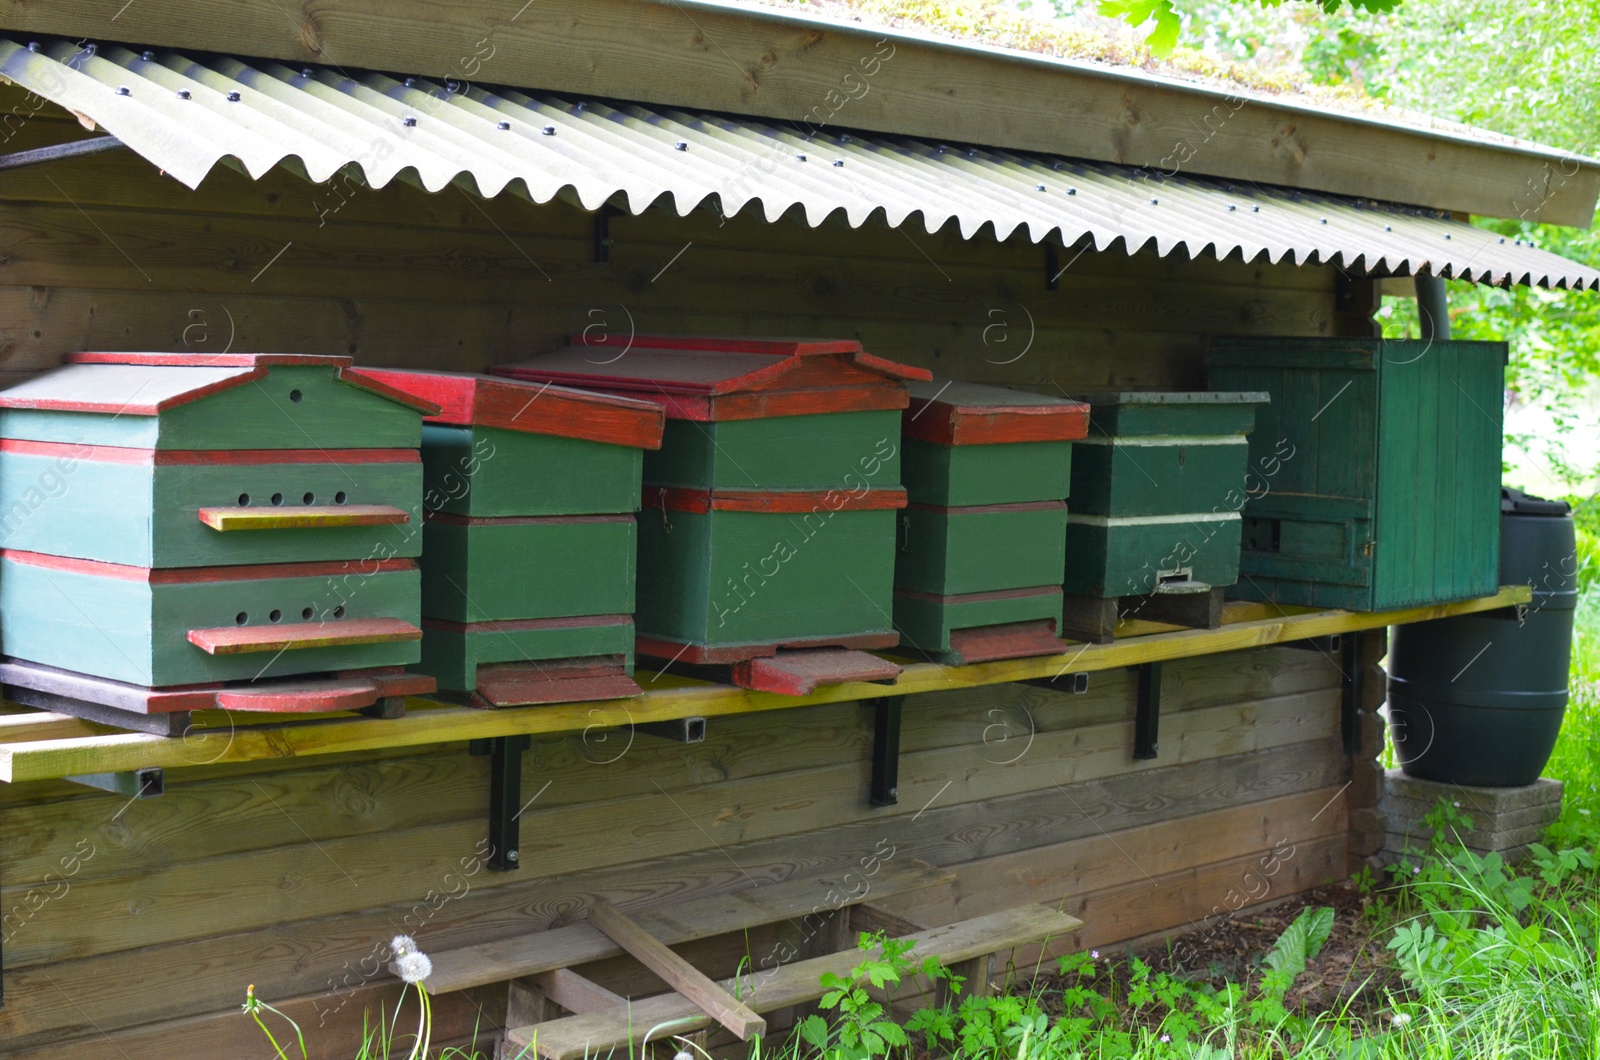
(1478, 699)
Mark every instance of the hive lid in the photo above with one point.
(708, 379)
(952, 413)
(465, 399)
(148, 384)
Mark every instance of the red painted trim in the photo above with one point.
(115, 454)
(188, 575)
(516, 405)
(772, 347)
(787, 502)
(1010, 640)
(399, 397)
(452, 519)
(291, 636)
(518, 624)
(950, 424)
(714, 654)
(799, 673)
(208, 360)
(978, 598)
(526, 684)
(989, 509)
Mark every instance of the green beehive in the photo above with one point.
(528, 558)
(981, 544)
(769, 511)
(178, 519)
(1156, 489)
(1376, 469)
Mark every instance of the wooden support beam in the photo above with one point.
(428, 722)
(572, 991)
(678, 973)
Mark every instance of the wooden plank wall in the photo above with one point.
(292, 876)
(101, 252)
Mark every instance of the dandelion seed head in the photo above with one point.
(402, 945)
(1400, 1019)
(683, 1054)
(413, 967)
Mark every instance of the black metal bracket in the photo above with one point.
(505, 797)
(1147, 719)
(602, 232)
(679, 730)
(885, 751)
(1327, 645)
(1353, 687)
(1077, 683)
(135, 783)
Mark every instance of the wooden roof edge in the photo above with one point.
(790, 66)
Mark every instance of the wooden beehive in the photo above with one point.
(180, 519)
(768, 515)
(528, 557)
(979, 565)
(1378, 469)
(1156, 489)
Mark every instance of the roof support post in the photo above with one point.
(1433, 308)
(505, 798)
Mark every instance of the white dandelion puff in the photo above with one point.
(401, 945)
(413, 967)
(1400, 1019)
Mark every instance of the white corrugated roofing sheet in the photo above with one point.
(185, 114)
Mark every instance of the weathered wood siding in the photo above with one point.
(291, 875)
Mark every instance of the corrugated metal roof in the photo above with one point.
(185, 114)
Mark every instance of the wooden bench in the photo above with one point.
(829, 910)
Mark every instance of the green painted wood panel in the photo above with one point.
(927, 624)
(452, 657)
(261, 414)
(1374, 471)
(134, 631)
(817, 452)
(726, 578)
(500, 571)
(965, 551)
(1193, 475)
(951, 476)
(146, 516)
(1128, 558)
(1172, 413)
(488, 472)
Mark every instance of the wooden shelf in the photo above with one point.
(37, 746)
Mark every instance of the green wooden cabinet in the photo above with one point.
(1375, 472)
(528, 553)
(769, 512)
(192, 519)
(982, 544)
(1156, 490)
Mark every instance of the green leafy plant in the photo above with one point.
(861, 1027)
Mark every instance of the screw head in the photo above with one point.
(1072, 191)
(147, 56)
(1447, 235)
(408, 121)
(184, 93)
(681, 145)
(503, 126)
(1388, 228)
(233, 97)
(1324, 221)
(306, 71)
(1038, 187)
(91, 49)
(411, 82)
(838, 161)
(124, 90)
(511, 855)
(1232, 207)
(1155, 202)
(33, 46)
(549, 130)
(802, 158)
(1255, 209)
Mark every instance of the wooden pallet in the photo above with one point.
(571, 1016)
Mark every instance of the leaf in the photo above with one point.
(1299, 943)
(1163, 37)
(814, 1029)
